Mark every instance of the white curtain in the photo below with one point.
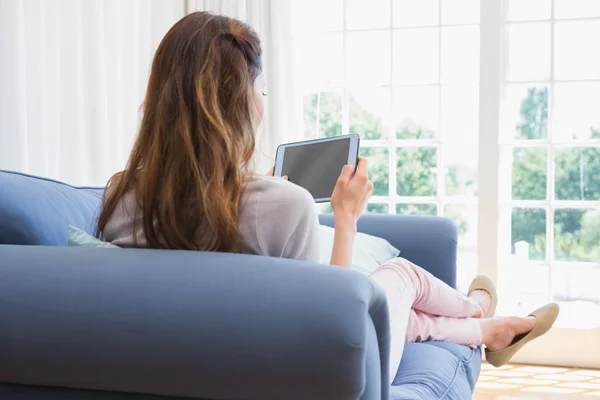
(72, 78)
(274, 22)
(73, 75)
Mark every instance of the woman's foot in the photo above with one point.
(499, 333)
(483, 292)
(504, 337)
(483, 299)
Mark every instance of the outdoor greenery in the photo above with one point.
(576, 232)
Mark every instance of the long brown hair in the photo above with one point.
(189, 162)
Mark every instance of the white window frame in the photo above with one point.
(561, 346)
(391, 143)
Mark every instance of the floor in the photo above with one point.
(521, 382)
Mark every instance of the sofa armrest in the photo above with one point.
(190, 324)
(429, 242)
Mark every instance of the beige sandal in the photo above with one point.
(545, 318)
(483, 283)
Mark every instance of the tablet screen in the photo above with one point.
(316, 166)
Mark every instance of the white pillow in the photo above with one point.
(368, 253)
(80, 238)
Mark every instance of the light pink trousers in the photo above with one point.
(423, 308)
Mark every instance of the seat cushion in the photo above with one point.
(38, 211)
(436, 370)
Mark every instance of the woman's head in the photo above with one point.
(202, 107)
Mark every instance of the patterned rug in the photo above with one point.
(522, 382)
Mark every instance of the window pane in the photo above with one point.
(528, 52)
(416, 56)
(370, 115)
(576, 111)
(328, 49)
(577, 235)
(379, 167)
(523, 287)
(378, 208)
(324, 208)
(416, 171)
(466, 270)
(524, 113)
(528, 10)
(368, 58)
(416, 13)
(460, 116)
(323, 115)
(325, 15)
(460, 11)
(575, 289)
(465, 217)
(460, 54)
(576, 53)
(529, 174)
(461, 178)
(576, 8)
(529, 226)
(416, 209)
(310, 116)
(416, 112)
(372, 14)
(577, 174)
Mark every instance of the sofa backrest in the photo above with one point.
(38, 211)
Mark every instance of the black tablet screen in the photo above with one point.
(316, 166)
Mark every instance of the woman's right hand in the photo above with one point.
(351, 194)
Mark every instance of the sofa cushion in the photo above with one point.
(38, 211)
(436, 370)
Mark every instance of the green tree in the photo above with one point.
(529, 174)
(577, 178)
(534, 115)
(328, 108)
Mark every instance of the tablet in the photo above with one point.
(316, 164)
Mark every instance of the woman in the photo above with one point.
(187, 186)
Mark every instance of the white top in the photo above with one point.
(278, 219)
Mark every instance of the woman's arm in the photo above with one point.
(349, 198)
(343, 242)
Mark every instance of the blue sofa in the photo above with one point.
(132, 324)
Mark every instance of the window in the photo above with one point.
(486, 112)
(403, 75)
(550, 140)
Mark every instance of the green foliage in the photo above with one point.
(378, 165)
(416, 171)
(412, 131)
(529, 174)
(529, 225)
(416, 209)
(577, 178)
(534, 115)
(378, 208)
(363, 123)
(578, 173)
(328, 106)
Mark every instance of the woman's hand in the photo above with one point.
(272, 173)
(348, 201)
(351, 194)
